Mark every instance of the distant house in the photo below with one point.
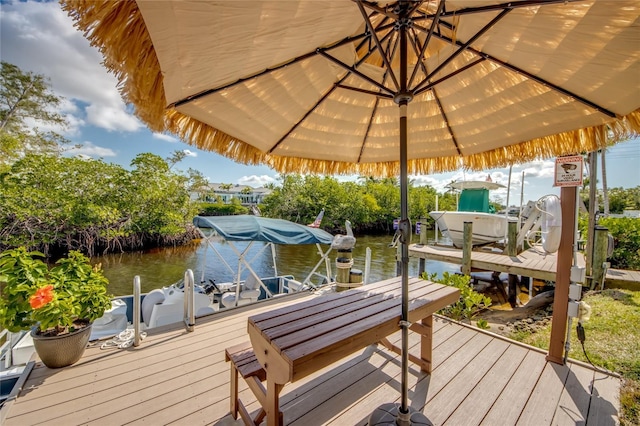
(633, 214)
(224, 192)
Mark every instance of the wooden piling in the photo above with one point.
(423, 231)
(512, 250)
(600, 247)
(563, 275)
(512, 238)
(466, 248)
(423, 240)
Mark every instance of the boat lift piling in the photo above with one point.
(466, 248)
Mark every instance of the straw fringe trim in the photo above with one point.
(117, 29)
(573, 142)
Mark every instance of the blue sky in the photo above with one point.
(39, 37)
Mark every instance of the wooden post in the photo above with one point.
(563, 275)
(423, 231)
(512, 250)
(600, 248)
(422, 263)
(466, 248)
(513, 291)
(512, 238)
(593, 207)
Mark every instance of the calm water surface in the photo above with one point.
(162, 267)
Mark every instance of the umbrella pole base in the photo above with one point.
(389, 414)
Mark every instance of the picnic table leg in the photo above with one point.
(426, 339)
(274, 416)
(234, 391)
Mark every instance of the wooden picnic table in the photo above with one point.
(294, 341)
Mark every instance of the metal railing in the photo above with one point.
(137, 305)
(189, 301)
(5, 349)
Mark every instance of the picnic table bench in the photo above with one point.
(294, 341)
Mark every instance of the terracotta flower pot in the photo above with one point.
(63, 350)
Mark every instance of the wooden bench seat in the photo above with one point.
(243, 362)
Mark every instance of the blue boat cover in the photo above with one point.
(256, 228)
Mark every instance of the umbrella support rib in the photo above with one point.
(354, 71)
(446, 120)
(464, 46)
(532, 77)
(495, 7)
(432, 29)
(378, 43)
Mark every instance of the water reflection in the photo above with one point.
(161, 267)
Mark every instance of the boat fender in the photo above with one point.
(551, 224)
(154, 297)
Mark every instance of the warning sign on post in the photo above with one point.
(568, 171)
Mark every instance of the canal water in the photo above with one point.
(164, 266)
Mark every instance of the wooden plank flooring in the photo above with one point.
(620, 278)
(181, 378)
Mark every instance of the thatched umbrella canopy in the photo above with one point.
(302, 86)
(377, 88)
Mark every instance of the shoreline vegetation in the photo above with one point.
(55, 204)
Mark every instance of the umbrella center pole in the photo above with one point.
(392, 413)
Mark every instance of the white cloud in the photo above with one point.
(91, 150)
(256, 181)
(40, 38)
(190, 153)
(538, 169)
(424, 180)
(112, 118)
(165, 137)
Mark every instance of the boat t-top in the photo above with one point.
(473, 206)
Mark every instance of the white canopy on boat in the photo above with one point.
(256, 228)
(476, 184)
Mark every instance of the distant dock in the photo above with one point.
(530, 263)
(621, 278)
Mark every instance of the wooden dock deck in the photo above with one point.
(621, 278)
(181, 378)
(529, 263)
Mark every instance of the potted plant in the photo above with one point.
(58, 304)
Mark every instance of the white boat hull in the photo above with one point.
(487, 227)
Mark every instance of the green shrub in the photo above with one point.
(471, 302)
(221, 209)
(626, 238)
